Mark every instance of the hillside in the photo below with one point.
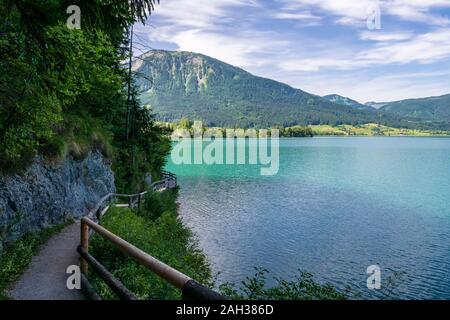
(347, 102)
(184, 84)
(433, 109)
(375, 105)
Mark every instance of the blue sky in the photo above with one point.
(320, 46)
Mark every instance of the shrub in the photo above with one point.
(302, 287)
(52, 148)
(156, 203)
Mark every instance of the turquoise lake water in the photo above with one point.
(336, 206)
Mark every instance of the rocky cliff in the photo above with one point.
(46, 194)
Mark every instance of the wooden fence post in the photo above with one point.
(85, 244)
(98, 214)
(130, 202)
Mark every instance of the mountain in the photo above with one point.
(347, 102)
(432, 109)
(185, 84)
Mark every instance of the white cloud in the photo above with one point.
(385, 36)
(198, 13)
(315, 64)
(302, 16)
(246, 33)
(385, 88)
(239, 50)
(424, 49)
(416, 12)
(351, 12)
(221, 29)
(364, 87)
(209, 27)
(347, 11)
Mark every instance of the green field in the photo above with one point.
(372, 129)
(367, 130)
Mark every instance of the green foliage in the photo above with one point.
(22, 123)
(17, 256)
(303, 287)
(45, 80)
(184, 123)
(433, 109)
(289, 132)
(109, 16)
(144, 151)
(156, 203)
(76, 135)
(297, 131)
(165, 238)
(62, 91)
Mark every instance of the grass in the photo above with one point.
(76, 136)
(17, 256)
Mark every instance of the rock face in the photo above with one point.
(49, 194)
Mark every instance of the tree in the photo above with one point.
(55, 80)
(184, 123)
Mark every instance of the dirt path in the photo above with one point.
(45, 278)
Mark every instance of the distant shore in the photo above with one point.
(297, 131)
(375, 130)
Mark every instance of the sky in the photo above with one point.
(368, 50)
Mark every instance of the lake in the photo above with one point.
(336, 206)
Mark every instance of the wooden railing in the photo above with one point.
(169, 181)
(191, 289)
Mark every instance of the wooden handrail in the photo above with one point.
(173, 276)
(117, 287)
(168, 178)
(189, 287)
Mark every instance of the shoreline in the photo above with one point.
(372, 136)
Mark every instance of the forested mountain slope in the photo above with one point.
(184, 84)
